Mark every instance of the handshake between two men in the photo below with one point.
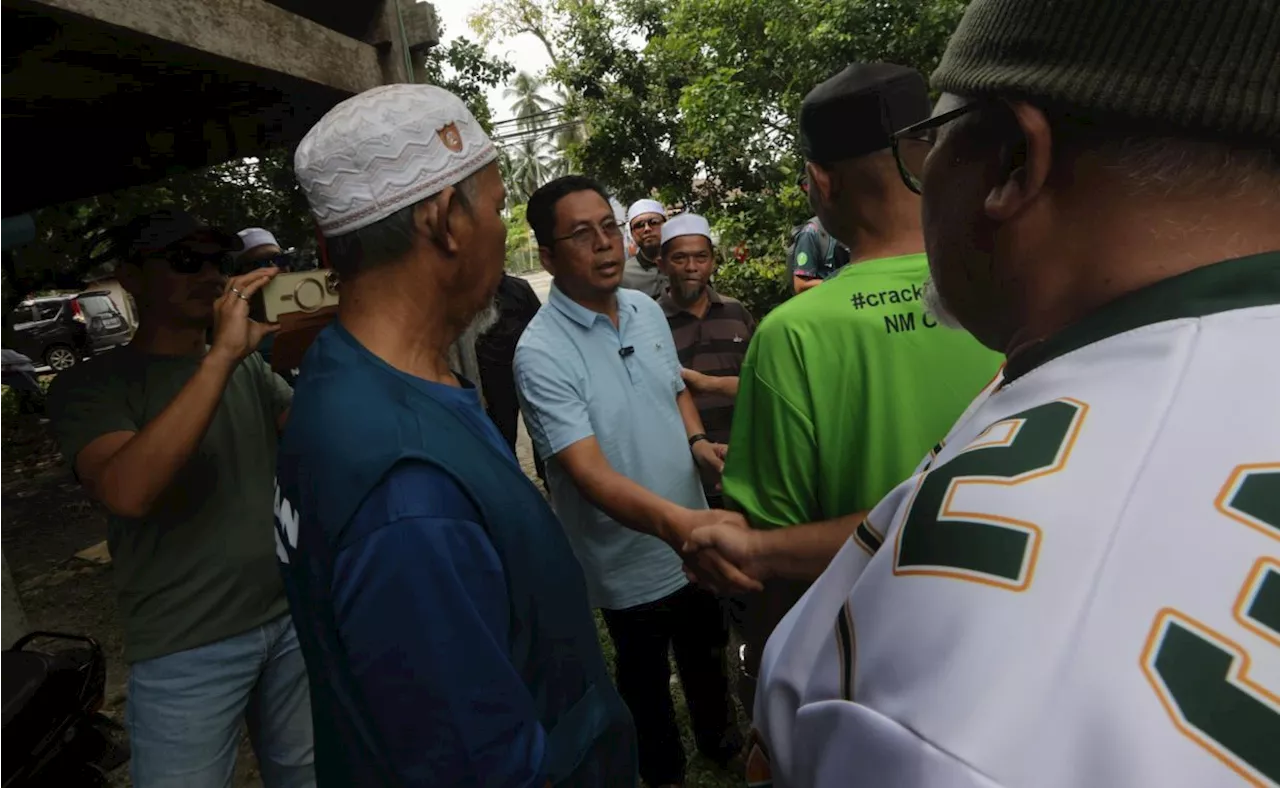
(717, 546)
(719, 552)
(723, 553)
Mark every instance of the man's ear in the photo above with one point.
(1026, 158)
(821, 179)
(548, 265)
(434, 219)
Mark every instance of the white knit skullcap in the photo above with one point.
(686, 224)
(641, 207)
(385, 149)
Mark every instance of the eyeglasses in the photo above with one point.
(183, 260)
(925, 132)
(656, 221)
(584, 237)
(681, 258)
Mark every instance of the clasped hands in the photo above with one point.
(720, 551)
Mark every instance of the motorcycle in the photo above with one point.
(53, 730)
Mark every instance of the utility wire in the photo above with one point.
(538, 131)
(529, 117)
(520, 137)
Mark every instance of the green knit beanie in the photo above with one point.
(1202, 67)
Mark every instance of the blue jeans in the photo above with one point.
(185, 710)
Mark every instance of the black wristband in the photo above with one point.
(695, 438)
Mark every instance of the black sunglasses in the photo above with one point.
(640, 225)
(183, 260)
(926, 131)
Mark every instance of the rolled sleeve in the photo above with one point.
(552, 399)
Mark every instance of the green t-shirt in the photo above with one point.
(844, 390)
(202, 566)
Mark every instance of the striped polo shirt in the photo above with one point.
(715, 345)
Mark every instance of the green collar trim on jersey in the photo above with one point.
(1221, 287)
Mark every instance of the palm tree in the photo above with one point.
(534, 163)
(530, 104)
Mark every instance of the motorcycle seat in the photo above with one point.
(25, 672)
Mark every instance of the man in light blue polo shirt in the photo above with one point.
(600, 386)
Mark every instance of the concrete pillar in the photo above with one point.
(401, 23)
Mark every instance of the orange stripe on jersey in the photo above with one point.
(1237, 674)
(1262, 569)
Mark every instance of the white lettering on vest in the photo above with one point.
(286, 526)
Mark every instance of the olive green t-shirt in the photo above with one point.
(202, 566)
(844, 390)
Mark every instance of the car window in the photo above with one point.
(47, 310)
(21, 314)
(93, 306)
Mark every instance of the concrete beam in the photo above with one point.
(420, 29)
(247, 31)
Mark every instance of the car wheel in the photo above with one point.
(60, 357)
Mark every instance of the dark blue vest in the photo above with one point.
(352, 419)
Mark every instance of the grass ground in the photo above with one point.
(46, 519)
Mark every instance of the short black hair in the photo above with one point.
(387, 239)
(374, 245)
(541, 211)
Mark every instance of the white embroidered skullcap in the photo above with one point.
(385, 149)
(641, 207)
(254, 237)
(686, 224)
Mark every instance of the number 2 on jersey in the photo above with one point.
(1201, 676)
(940, 537)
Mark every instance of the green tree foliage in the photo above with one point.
(532, 159)
(528, 101)
(522, 252)
(533, 162)
(465, 69)
(497, 19)
(256, 192)
(696, 100)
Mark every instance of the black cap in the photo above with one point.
(855, 112)
(160, 229)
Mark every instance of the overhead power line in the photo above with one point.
(518, 137)
(525, 119)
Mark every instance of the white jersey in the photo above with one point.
(1082, 589)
